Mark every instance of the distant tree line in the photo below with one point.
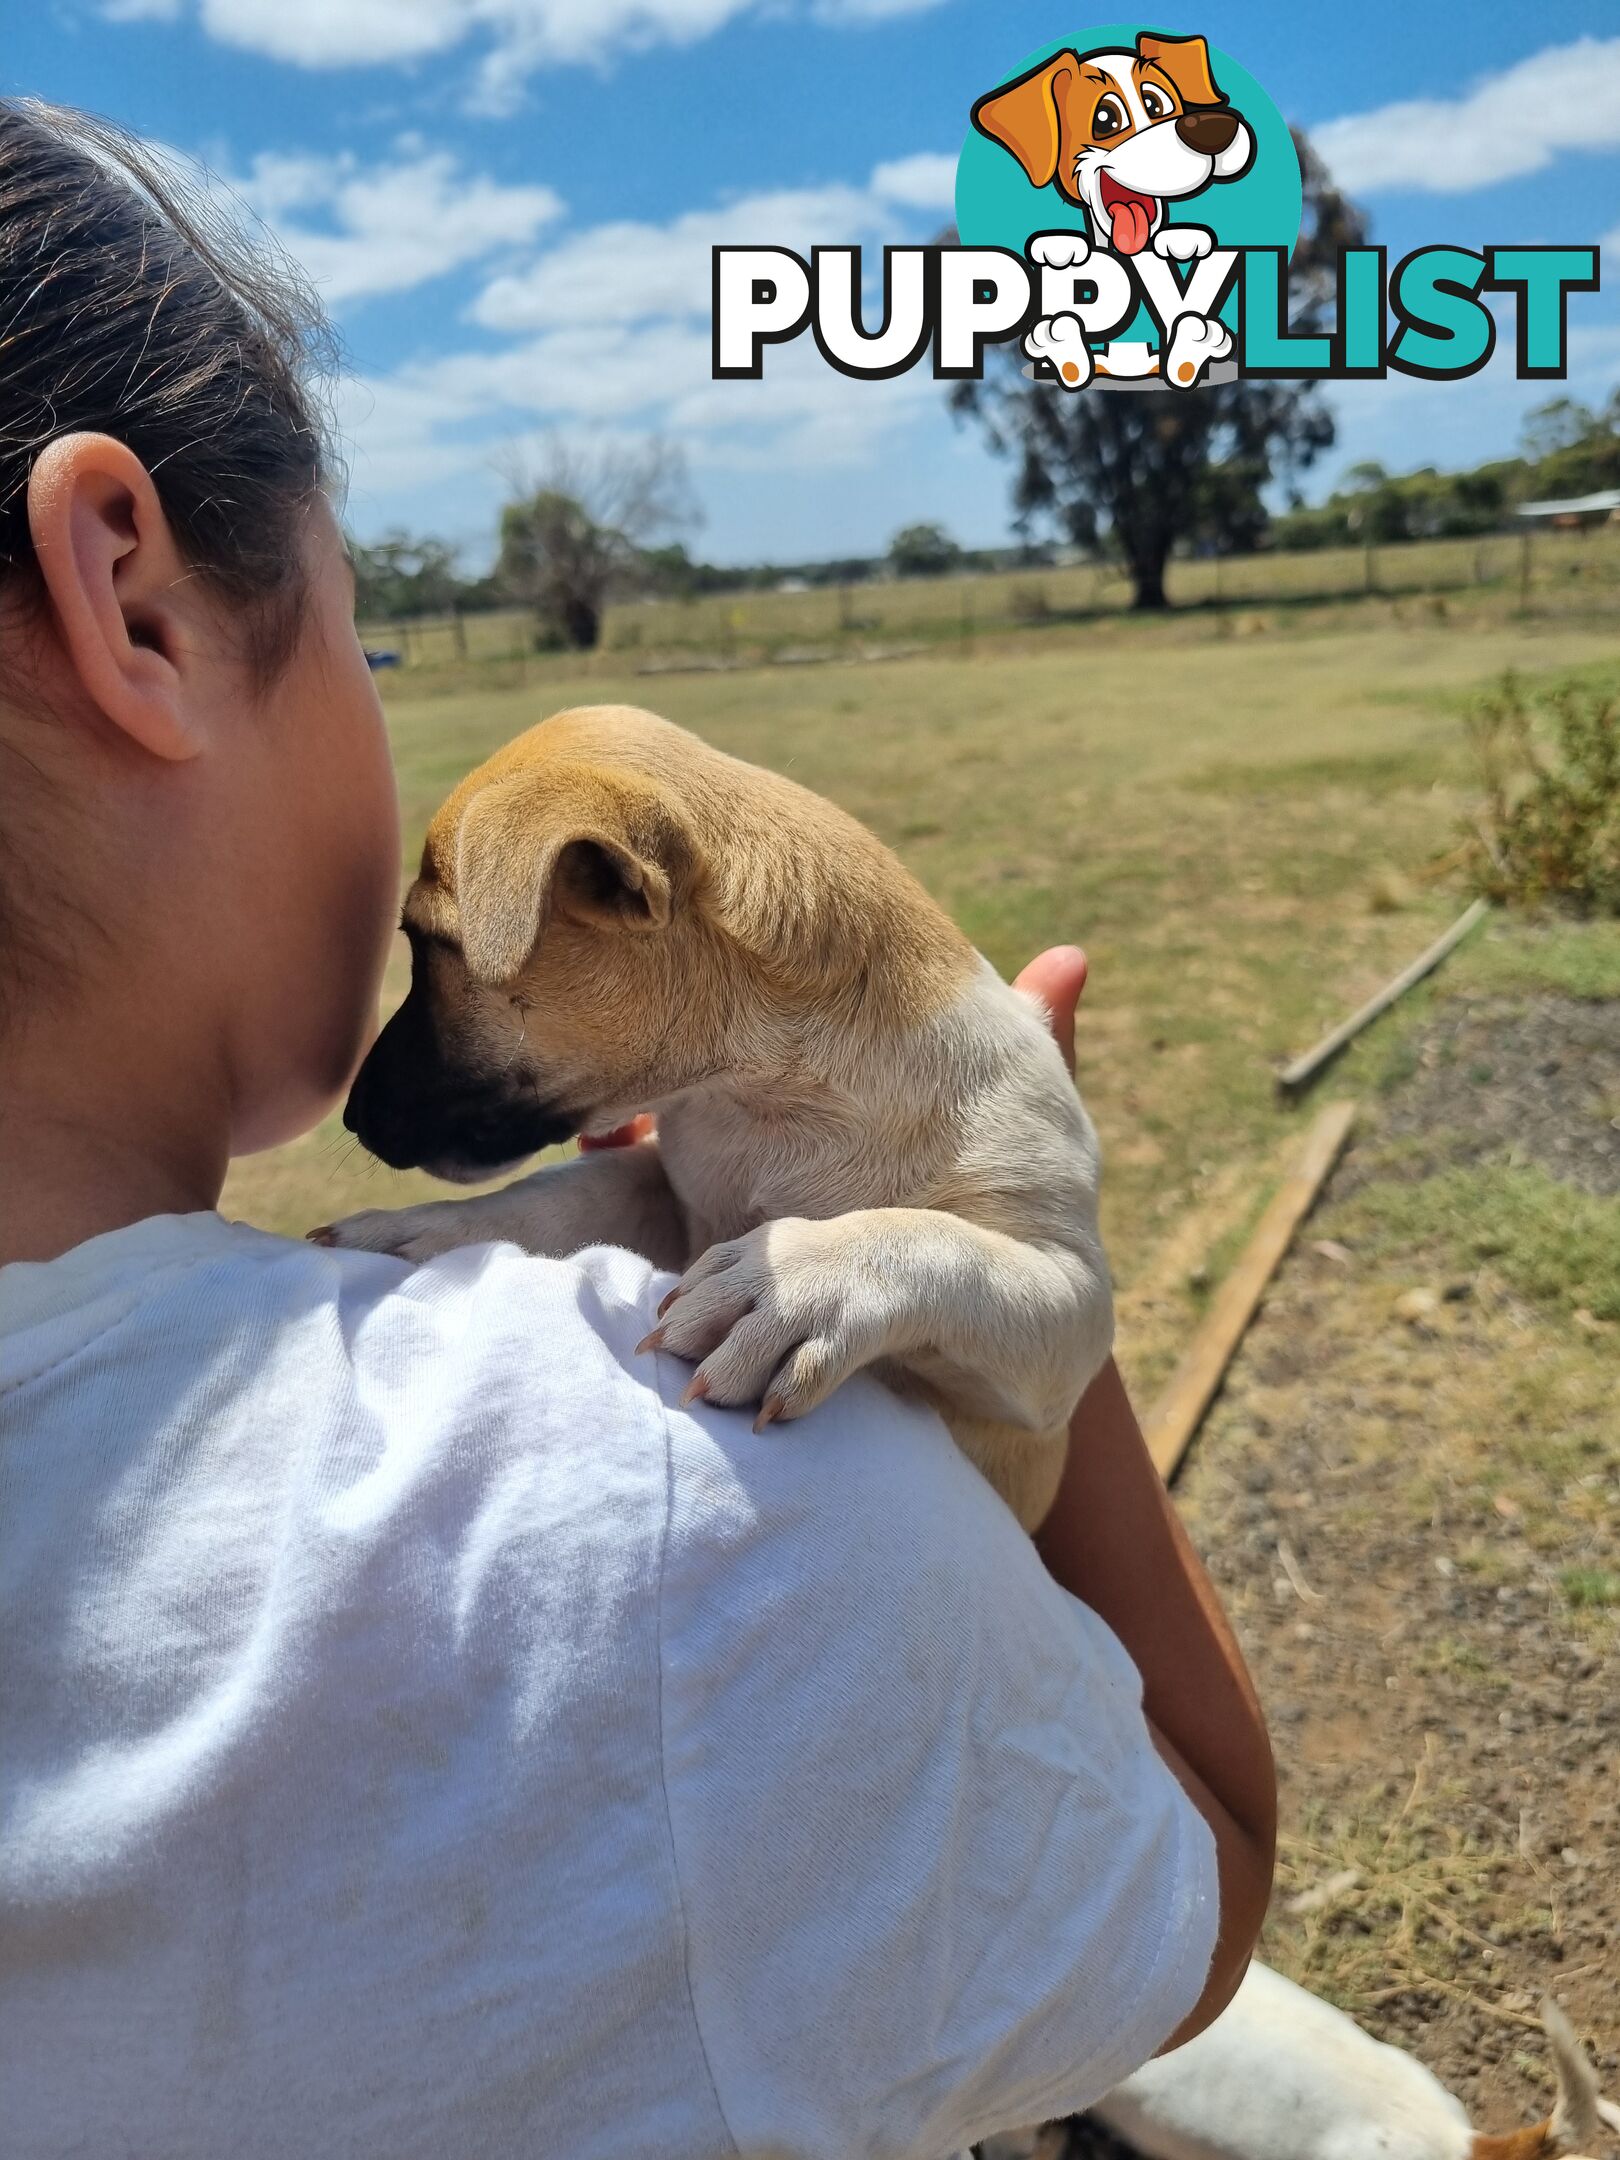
(1129, 478)
(1567, 450)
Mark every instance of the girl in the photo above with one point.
(418, 1735)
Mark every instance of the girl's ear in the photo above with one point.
(121, 594)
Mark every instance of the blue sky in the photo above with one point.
(509, 205)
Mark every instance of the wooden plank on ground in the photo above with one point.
(1179, 1411)
(1297, 1076)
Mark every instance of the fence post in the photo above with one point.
(1369, 569)
(1524, 570)
(458, 630)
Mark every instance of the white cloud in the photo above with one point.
(518, 36)
(389, 227)
(869, 11)
(628, 272)
(924, 182)
(632, 272)
(1502, 127)
(608, 331)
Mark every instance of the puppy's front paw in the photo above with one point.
(414, 1233)
(779, 1317)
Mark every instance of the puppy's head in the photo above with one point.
(1121, 133)
(546, 932)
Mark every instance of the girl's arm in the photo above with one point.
(1114, 1541)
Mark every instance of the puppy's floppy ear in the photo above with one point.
(1026, 116)
(1186, 61)
(606, 849)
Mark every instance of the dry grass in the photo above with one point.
(1399, 1890)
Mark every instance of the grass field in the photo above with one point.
(1237, 826)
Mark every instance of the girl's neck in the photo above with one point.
(98, 1149)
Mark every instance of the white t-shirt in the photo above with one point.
(418, 1737)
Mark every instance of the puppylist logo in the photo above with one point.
(1126, 204)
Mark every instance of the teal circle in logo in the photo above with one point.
(998, 205)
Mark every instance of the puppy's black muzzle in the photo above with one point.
(414, 1111)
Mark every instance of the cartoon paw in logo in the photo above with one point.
(1183, 243)
(1196, 342)
(1062, 250)
(1062, 340)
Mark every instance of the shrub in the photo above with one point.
(1549, 827)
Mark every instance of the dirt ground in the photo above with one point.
(1409, 1492)
(1540, 1077)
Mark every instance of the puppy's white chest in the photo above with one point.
(734, 1165)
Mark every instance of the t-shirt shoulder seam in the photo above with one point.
(665, 1535)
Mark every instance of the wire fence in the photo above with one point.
(1549, 571)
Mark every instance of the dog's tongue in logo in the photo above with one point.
(1129, 214)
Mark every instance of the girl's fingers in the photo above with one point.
(639, 1128)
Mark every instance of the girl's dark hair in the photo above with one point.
(130, 306)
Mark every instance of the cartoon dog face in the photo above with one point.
(1121, 133)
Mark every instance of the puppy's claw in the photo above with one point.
(667, 1300)
(324, 1234)
(769, 1411)
(697, 1389)
(654, 1341)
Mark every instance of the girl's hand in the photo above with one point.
(639, 1128)
(1057, 977)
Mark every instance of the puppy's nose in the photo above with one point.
(1207, 132)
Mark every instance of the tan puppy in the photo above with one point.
(869, 1152)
